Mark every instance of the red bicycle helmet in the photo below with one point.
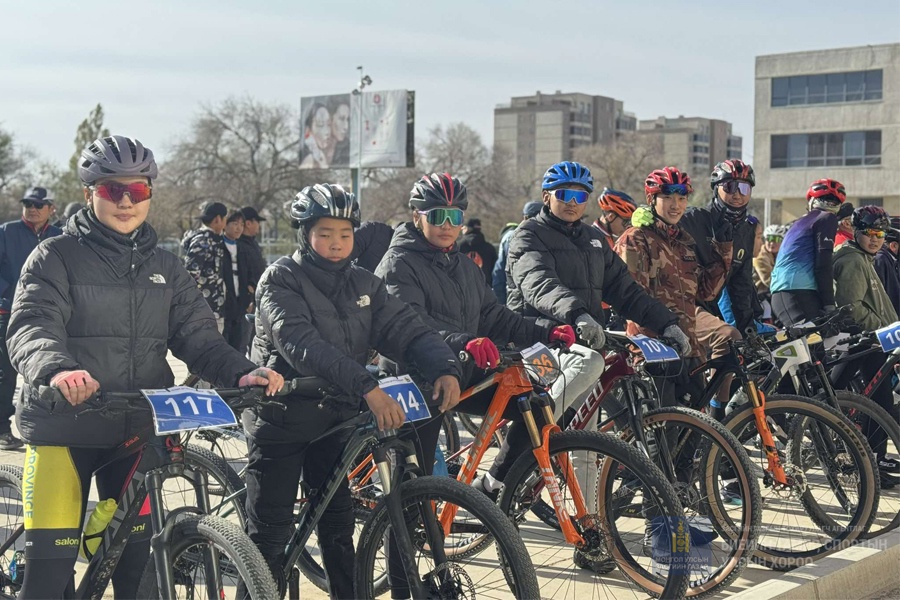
(667, 176)
(827, 190)
(617, 202)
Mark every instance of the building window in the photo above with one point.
(840, 149)
(853, 86)
(871, 202)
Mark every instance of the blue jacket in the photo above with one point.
(17, 240)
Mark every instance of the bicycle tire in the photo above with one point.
(11, 481)
(854, 406)
(224, 482)
(515, 564)
(741, 538)
(610, 447)
(807, 408)
(240, 554)
(451, 434)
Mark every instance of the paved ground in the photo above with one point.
(545, 547)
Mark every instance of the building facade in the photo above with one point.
(540, 130)
(828, 113)
(693, 144)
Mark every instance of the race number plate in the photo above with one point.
(186, 409)
(654, 350)
(889, 337)
(541, 363)
(407, 393)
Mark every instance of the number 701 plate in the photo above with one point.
(187, 409)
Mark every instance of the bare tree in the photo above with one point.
(623, 164)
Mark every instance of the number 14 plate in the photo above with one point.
(186, 409)
(407, 393)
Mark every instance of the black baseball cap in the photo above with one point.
(250, 214)
(211, 210)
(474, 224)
(38, 194)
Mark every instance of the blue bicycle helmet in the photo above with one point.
(568, 173)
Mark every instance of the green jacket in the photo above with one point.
(857, 284)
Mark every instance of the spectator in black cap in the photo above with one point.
(204, 254)
(254, 264)
(17, 240)
(476, 247)
(498, 283)
(887, 264)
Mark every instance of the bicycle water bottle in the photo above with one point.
(97, 523)
(440, 466)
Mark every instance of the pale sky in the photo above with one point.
(152, 64)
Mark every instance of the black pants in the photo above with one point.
(273, 476)
(234, 331)
(796, 306)
(7, 379)
(54, 476)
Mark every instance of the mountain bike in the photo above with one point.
(192, 552)
(811, 508)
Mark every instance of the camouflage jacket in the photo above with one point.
(663, 260)
(204, 254)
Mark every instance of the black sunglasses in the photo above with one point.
(33, 204)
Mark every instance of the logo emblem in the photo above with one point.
(596, 243)
(363, 301)
(157, 278)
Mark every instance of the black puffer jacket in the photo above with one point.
(450, 293)
(560, 271)
(315, 320)
(370, 242)
(701, 224)
(112, 305)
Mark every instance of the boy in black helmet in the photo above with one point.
(319, 315)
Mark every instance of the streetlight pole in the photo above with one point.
(355, 173)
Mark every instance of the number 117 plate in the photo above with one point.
(186, 409)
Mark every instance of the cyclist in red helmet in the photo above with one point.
(662, 258)
(616, 209)
(801, 286)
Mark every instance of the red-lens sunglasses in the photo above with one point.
(114, 192)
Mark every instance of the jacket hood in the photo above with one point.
(122, 252)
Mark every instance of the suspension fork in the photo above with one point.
(758, 402)
(540, 444)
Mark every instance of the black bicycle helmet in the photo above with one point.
(116, 156)
(323, 200)
(871, 217)
(438, 191)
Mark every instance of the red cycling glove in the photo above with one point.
(564, 334)
(483, 352)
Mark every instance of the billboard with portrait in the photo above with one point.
(331, 128)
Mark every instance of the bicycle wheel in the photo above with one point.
(229, 443)
(242, 569)
(705, 456)
(12, 531)
(873, 422)
(224, 486)
(421, 499)
(612, 538)
(839, 488)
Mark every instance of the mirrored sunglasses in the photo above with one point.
(733, 186)
(579, 196)
(673, 188)
(774, 238)
(439, 216)
(114, 192)
(874, 233)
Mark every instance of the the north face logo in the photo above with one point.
(363, 301)
(157, 278)
(596, 243)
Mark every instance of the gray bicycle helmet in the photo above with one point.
(116, 156)
(323, 200)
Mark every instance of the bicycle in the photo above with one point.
(777, 431)
(189, 548)
(701, 450)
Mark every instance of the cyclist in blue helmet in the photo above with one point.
(561, 269)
